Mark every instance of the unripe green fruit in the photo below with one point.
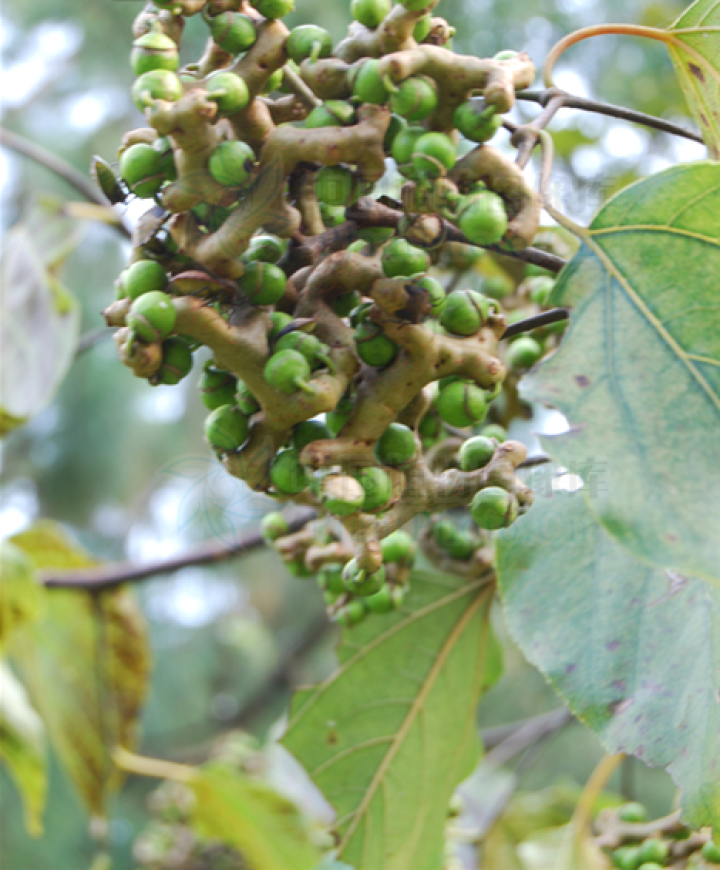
(341, 494)
(430, 425)
(633, 813)
(422, 28)
(279, 320)
(338, 418)
(382, 601)
(226, 428)
(245, 400)
(152, 316)
(370, 13)
(143, 276)
(158, 84)
(217, 387)
(462, 404)
(351, 614)
(345, 303)
(464, 312)
(540, 288)
(476, 120)
(152, 51)
(494, 430)
(399, 259)
(329, 578)
(483, 219)
(263, 283)
(627, 858)
(274, 83)
(434, 155)
(711, 852)
(233, 32)
(167, 157)
(459, 256)
(288, 371)
(298, 568)
(476, 453)
(395, 127)
(332, 216)
(332, 113)
(524, 352)
(265, 249)
(374, 347)
(273, 526)
(360, 313)
(506, 54)
(308, 431)
(497, 286)
(336, 186)
(288, 474)
(377, 488)
(228, 90)
(494, 508)
(367, 86)
(231, 163)
(356, 248)
(359, 582)
(141, 169)
(396, 445)
(403, 148)
(314, 351)
(457, 543)
(308, 40)
(274, 8)
(415, 99)
(176, 362)
(398, 547)
(436, 292)
(654, 851)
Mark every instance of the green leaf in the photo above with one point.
(21, 596)
(39, 321)
(22, 747)
(694, 50)
(638, 373)
(86, 666)
(632, 649)
(390, 734)
(247, 814)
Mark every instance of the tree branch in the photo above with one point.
(545, 318)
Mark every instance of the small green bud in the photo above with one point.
(152, 316)
(176, 362)
(308, 431)
(396, 446)
(233, 32)
(226, 428)
(308, 41)
(524, 352)
(263, 283)
(377, 488)
(288, 474)
(399, 259)
(231, 163)
(476, 453)
(143, 276)
(273, 526)
(351, 614)
(359, 582)
(483, 219)
(494, 508)
(228, 90)
(398, 547)
(370, 13)
(415, 99)
(142, 170)
(329, 578)
(217, 387)
(373, 346)
(462, 404)
(288, 371)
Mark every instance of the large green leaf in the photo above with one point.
(22, 747)
(638, 373)
(695, 51)
(85, 663)
(633, 650)
(390, 734)
(247, 814)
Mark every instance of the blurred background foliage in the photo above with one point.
(124, 466)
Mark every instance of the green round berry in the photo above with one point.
(231, 163)
(228, 91)
(496, 431)
(273, 526)
(308, 431)
(233, 32)
(141, 167)
(368, 87)
(506, 54)
(436, 293)
(633, 813)
(476, 453)
(341, 494)
(278, 320)
(176, 362)
(143, 276)
(430, 425)
(266, 249)
(494, 508)
(382, 601)
(332, 113)
(263, 283)
(245, 400)
(399, 259)
(415, 99)
(288, 371)
(308, 40)
(157, 84)
(540, 288)
(627, 858)
(314, 351)
(654, 851)
(434, 155)
(396, 446)
(226, 428)
(464, 312)
(152, 51)
(423, 28)
(524, 352)
(497, 286)
(274, 83)
(459, 256)
(461, 404)
(476, 120)
(395, 128)
(288, 474)
(351, 614)
(356, 248)
(711, 852)
(360, 582)
(403, 148)
(152, 316)
(370, 13)
(217, 387)
(336, 186)
(345, 303)
(274, 8)
(454, 541)
(332, 216)
(398, 547)
(483, 220)
(329, 578)
(376, 236)
(377, 488)
(298, 568)
(338, 418)
(374, 347)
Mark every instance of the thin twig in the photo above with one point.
(545, 318)
(510, 740)
(297, 86)
(94, 336)
(108, 576)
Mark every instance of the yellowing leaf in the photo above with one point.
(391, 733)
(21, 596)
